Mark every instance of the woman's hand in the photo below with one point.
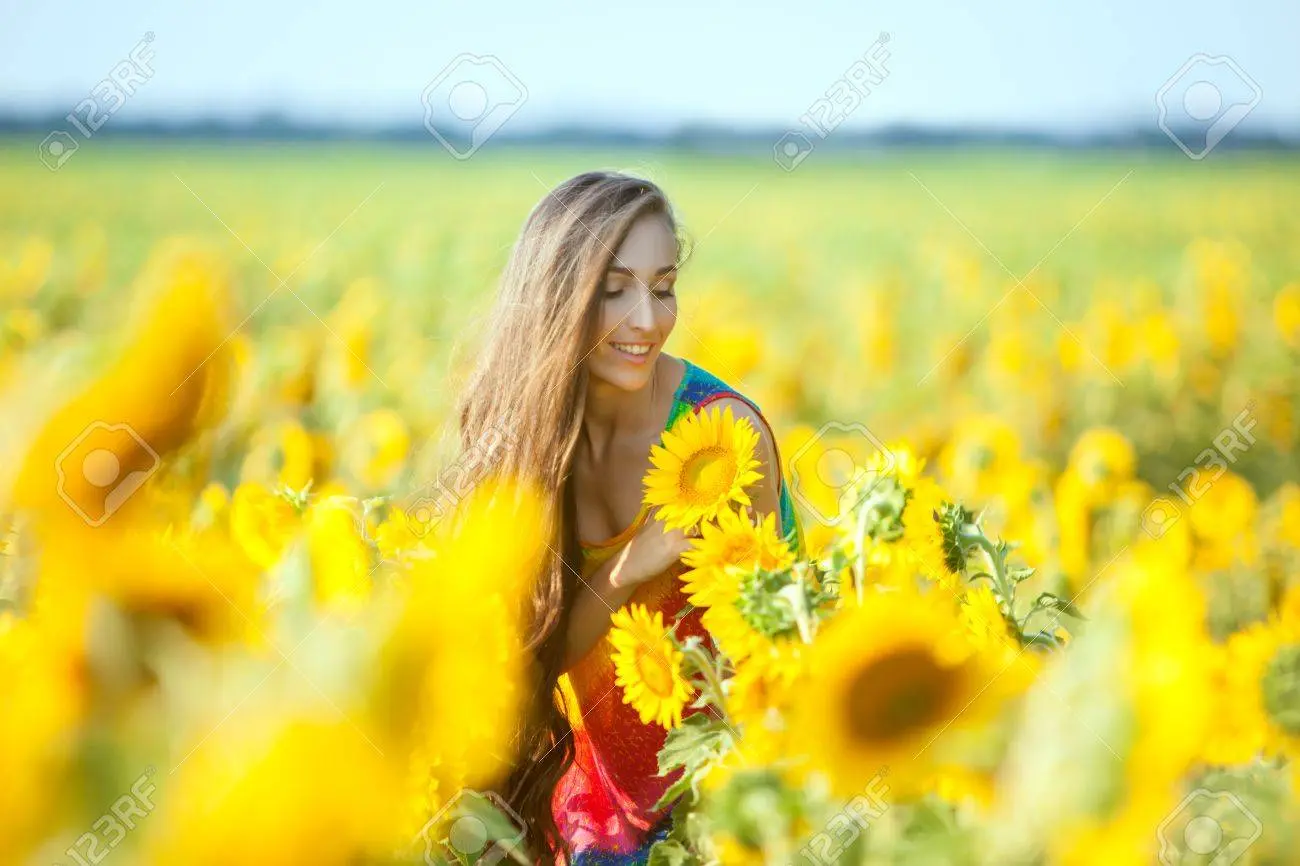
(651, 552)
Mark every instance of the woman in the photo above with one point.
(573, 371)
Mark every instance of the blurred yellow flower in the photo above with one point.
(374, 449)
(1223, 523)
(1286, 314)
(279, 793)
(1102, 459)
(765, 682)
(281, 452)
(41, 701)
(450, 679)
(339, 555)
(887, 682)
(147, 403)
(981, 448)
(262, 523)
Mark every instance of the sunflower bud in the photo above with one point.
(953, 520)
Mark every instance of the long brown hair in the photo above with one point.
(527, 391)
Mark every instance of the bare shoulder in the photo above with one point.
(741, 408)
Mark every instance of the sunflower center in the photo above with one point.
(708, 474)
(899, 694)
(740, 550)
(1282, 689)
(655, 673)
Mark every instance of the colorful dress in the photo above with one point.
(603, 804)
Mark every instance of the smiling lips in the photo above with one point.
(636, 353)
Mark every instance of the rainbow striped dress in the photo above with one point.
(603, 804)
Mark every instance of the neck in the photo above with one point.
(610, 410)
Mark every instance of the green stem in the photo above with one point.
(1003, 587)
(860, 565)
(713, 683)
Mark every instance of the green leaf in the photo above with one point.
(696, 740)
(685, 782)
(1042, 638)
(699, 739)
(1055, 602)
(670, 852)
(1020, 575)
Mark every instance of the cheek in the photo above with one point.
(666, 317)
(612, 313)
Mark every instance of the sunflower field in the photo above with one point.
(1038, 412)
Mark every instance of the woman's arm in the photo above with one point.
(597, 599)
(648, 554)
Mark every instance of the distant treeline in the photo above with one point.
(698, 138)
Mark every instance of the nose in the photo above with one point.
(642, 316)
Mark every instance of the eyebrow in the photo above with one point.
(616, 269)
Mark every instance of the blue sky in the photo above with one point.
(1022, 63)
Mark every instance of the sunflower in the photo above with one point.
(886, 680)
(765, 681)
(376, 447)
(339, 555)
(274, 762)
(648, 665)
(732, 632)
(923, 535)
(983, 617)
(262, 522)
(988, 630)
(1260, 697)
(1102, 458)
(281, 452)
(705, 462)
(742, 642)
(419, 690)
(735, 541)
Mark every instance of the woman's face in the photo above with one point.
(638, 305)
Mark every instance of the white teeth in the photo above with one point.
(631, 350)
